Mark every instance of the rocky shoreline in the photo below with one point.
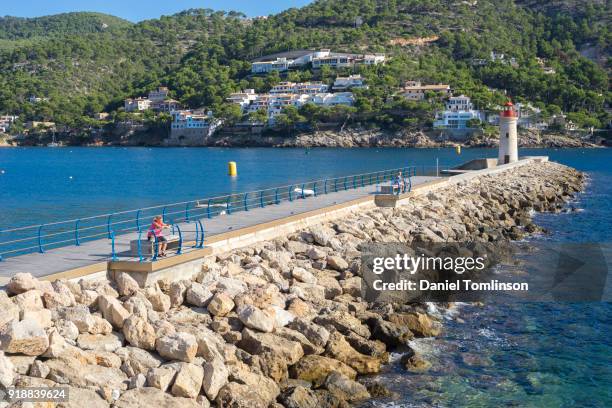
(277, 324)
(402, 138)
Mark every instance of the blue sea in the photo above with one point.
(495, 355)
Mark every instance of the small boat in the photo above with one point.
(53, 142)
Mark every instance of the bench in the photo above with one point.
(148, 247)
(389, 189)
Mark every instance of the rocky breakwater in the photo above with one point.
(277, 324)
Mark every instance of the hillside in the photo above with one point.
(204, 55)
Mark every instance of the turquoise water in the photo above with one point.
(519, 355)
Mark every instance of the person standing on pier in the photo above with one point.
(156, 229)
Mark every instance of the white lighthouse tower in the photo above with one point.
(508, 138)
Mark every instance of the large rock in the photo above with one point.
(255, 318)
(82, 397)
(337, 263)
(29, 301)
(322, 235)
(23, 282)
(215, 377)
(126, 285)
(178, 346)
(303, 275)
(235, 395)
(221, 304)
(139, 333)
(113, 310)
(7, 374)
(100, 342)
(24, 337)
(137, 361)
(8, 310)
(160, 377)
(315, 369)
(299, 397)
(177, 292)
(59, 297)
(266, 387)
(188, 381)
(43, 317)
(317, 335)
(198, 295)
(340, 349)
(345, 388)
(419, 323)
(344, 322)
(152, 398)
(391, 334)
(159, 300)
(294, 335)
(79, 316)
(259, 343)
(67, 371)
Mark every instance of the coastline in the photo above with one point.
(282, 317)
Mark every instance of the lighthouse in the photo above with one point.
(508, 139)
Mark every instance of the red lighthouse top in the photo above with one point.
(508, 110)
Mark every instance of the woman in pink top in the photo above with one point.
(156, 230)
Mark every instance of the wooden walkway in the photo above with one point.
(93, 252)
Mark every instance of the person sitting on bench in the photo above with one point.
(156, 229)
(399, 181)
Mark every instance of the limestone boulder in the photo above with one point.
(160, 377)
(159, 300)
(344, 322)
(24, 337)
(294, 335)
(43, 317)
(235, 395)
(198, 295)
(137, 361)
(316, 334)
(303, 275)
(299, 397)
(152, 397)
(177, 292)
(418, 323)
(23, 282)
(7, 371)
(259, 343)
(256, 318)
(340, 349)
(315, 369)
(78, 315)
(113, 310)
(139, 333)
(178, 346)
(100, 342)
(220, 305)
(337, 263)
(8, 310)
(126, 285)
(188, 381)
(345, 388)
(39, 369)
(215, 377)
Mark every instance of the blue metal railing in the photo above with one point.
(115, 225)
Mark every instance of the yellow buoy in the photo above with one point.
(458, 149)
(232, 169)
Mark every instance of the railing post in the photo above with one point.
(314, 188)
(155, 248)
(345, 187)
(276, 201)
(208, 209)
(228, 205)
(362, 182)
(41, 248)
(201, 243)
(246, 204)
(261, 199)
(138, 220)
(140, 258)
(354, 182)
(303, 187)
(335, 185)
(77, 242)
(108, 225)
(164, 210)
(180, 243)
(409, 183)
(325, 187)
(114, 255)
(291, 193)
(187, 213)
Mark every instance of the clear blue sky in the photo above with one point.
(137, 10)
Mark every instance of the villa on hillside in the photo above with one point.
(6, 121)
(307, 88)
(415, 91)
(191, 127)
(295, 59)
(459, 111)
(349, 82)
(157, 100)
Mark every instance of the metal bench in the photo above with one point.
(147, 247)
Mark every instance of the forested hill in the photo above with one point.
(16, 28)
(86, 63)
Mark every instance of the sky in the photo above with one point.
(138, 10)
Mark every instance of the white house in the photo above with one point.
(243, 98)
(459, 111)
(299, 88)
(138, 104)
(351, 81)
(331, 99)
(415, 91)
(280, 64)
(191, 127)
